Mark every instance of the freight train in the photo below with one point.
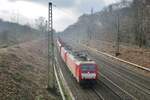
(82, 68)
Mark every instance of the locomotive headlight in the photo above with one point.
(88, 75)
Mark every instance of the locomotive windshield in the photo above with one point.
(88, 67)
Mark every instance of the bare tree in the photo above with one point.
(139, 22)
(41, 24)
(4, 36)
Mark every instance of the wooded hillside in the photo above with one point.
(126, 20)
(13, 33)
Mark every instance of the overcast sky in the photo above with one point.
(66, 12)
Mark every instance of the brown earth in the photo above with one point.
(23, 72)
(134, 54)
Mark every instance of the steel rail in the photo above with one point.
(118, 87)
(59, 86)
(108, 55)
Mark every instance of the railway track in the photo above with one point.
(58, 82)
(140, 84)
(123, 94)
(78, 92)
(98, 92)
(135, 85)
(134, 88)
(125, 82)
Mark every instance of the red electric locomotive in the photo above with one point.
(82, 68)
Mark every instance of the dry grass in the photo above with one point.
(140, 56)
(23, 72)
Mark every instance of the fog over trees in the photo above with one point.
(131, 19)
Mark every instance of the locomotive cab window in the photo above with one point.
(88, 67)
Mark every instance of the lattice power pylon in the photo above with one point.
(51, 61)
